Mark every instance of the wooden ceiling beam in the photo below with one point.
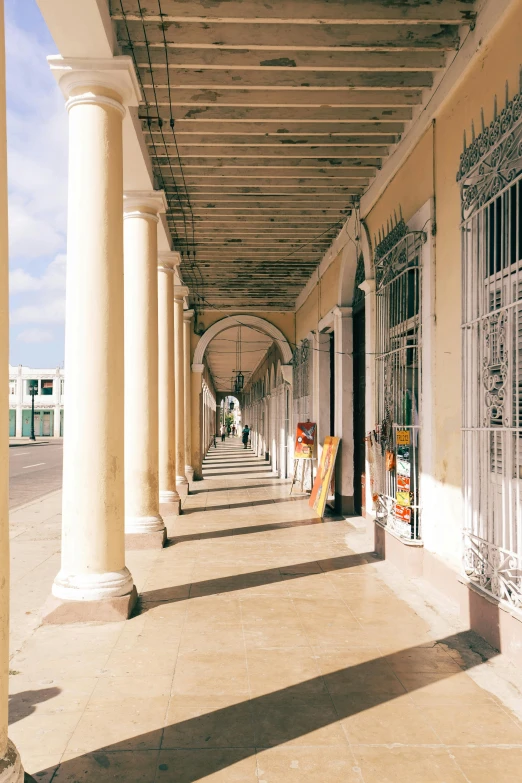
(259, 200)
(185, 128)
(271, 60)
(264, 78)
(253, 151)
(277, 191)
(286, 36)
(192, 165)
(189, 142)
(160, 95)
(308, 12)
(282, 114)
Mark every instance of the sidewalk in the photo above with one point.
(269, 647)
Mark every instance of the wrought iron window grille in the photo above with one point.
(490, 177)
(398, 272)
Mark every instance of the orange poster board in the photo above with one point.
(305, 440)
(323, 479)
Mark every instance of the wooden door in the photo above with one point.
(359, 394)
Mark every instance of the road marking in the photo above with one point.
(36, 465)
(20, 453)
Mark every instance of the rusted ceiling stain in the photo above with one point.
(263, 214)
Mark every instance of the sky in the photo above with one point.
(37, 165)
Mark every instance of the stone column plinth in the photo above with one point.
(180, 292)
(144, 526)
(94, 583)
(188, 315)
(168, 493)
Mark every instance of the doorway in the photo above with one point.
(359, 395)
(332, 384)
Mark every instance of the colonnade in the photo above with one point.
(267, 411)
(209, 420)
(125, 326)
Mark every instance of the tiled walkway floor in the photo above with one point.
(269, 648)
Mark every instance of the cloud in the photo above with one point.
(35, 336)
(53, 279)
(37, 148)
(21, 281)
(50, 311)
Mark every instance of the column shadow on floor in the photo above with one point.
(243, 531)
(246, 504)
(227, 584)
(275, 482)
(201, 746)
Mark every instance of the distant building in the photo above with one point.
(48, 402)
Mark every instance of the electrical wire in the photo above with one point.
(160, 121)
(180, 164)
(148, 119)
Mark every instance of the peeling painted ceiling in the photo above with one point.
(264, 120)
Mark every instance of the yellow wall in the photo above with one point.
(439, 150)
(308, 315)
(285, 321)
(329, 286)
(411, 187)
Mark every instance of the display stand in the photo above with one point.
(297, 462)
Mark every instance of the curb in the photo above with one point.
(36, 500)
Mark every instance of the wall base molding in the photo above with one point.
(497, 622)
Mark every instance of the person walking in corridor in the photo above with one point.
(223, 433)
(245, 435)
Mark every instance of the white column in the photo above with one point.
(343, 344)
(370, 310)
(188, 315)
(56, 395)
(11, 770)
(19, 402)
(204, 423)
(180, 292)
(93, 582)
(274, 457)
(142, 516)
(196, 378)
(166, 396)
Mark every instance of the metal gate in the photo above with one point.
(398, 367)
(491, 188)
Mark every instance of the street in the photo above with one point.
(34, 470)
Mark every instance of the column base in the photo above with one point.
(182, 486)
(11, 770)
(58, 611)
(155, 540)
(171, 509)
(189, 473)
(168, 496)
(151, 524)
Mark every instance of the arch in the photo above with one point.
(244, 320)
(351, 254)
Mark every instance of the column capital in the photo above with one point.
(83, 80)
(169, 258)
(180, 292)
(198, 368)
(146, 204)
(343, 312)
(188, 315)
(368, 286)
